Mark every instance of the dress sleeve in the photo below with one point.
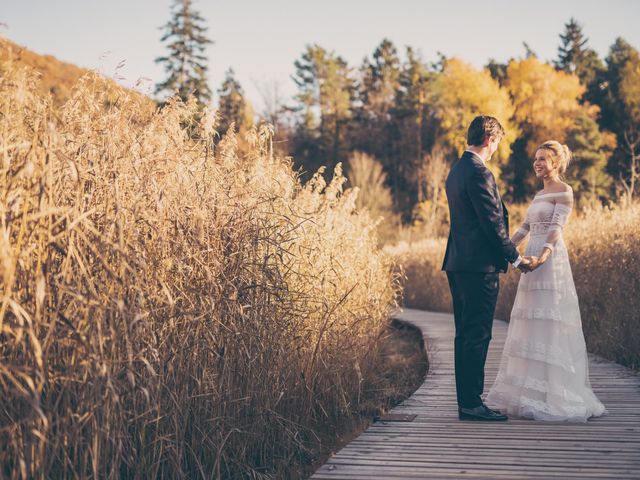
(561, 211)
(521, 233)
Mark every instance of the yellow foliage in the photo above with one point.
(546, 101)
(462, 92)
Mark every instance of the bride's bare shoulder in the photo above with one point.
(565, 187)
(559, 187)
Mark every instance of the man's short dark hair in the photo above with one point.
(481, 127)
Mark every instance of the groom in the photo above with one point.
(478, 250)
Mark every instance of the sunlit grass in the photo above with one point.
(171, 309)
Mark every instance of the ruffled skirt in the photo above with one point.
(544, 370)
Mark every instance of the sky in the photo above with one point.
(261, 40)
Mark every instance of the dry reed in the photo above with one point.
(171, 310)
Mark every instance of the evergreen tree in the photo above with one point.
(417, 131)
(591, 150)
(233, 108)
(326, 93)
(575, 57)
(380, 80)
(630, 96)
(497, 70)
(619, 101)
(185, 64)
(611, 109)
(528, 51)
(375, 130)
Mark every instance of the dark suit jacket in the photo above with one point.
(479, 235)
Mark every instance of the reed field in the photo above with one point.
(604, 247)
(171, 307)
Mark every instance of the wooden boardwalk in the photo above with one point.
(437, 445)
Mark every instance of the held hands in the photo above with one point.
(530, 263)
(525, 264)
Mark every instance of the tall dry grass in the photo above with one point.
(170, 310)
(604, 248)
(366, 174)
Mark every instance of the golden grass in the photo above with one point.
(604, 247)
(171, 310)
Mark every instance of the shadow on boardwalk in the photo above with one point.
(437, 445)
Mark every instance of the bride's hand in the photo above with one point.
(539, 261)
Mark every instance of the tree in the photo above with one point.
(497, 70)
(415, 125)
(233, 107)
(325, 88)
(575, 57)
(380, 81)
(186, 64)
(528, 51)
(591, 150)
(630, 96)
(375, 130)
(547, 104)
(462, 92)
(618, 98)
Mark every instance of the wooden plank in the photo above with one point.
(437, 445)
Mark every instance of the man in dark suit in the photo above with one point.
(478, 249)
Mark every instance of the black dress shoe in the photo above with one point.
(481, 413)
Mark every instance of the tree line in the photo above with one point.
(410, 115)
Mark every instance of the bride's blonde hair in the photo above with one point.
(560, 155)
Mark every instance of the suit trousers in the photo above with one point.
(474, 303)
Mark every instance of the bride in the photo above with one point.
(544, 373)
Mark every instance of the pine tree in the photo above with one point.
(619, 101)
(380, 80)
(186, 64)
(377, 89)
(630, 96)
(591, 150)
(416, 128)
(325, 88)
(575, 57)
(233, 108)
(528, 51)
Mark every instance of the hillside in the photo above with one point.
(57, 77)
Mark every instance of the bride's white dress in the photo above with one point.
(544, 372)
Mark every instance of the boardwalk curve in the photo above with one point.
(437, 445)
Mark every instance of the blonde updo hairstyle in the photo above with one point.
(560, 155)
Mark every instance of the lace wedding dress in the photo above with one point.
(544, 373)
